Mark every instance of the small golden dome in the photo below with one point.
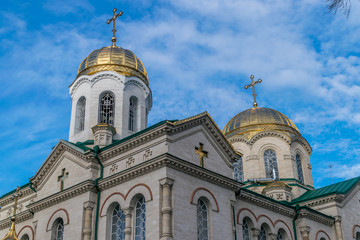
(115, 59)
(255, 120)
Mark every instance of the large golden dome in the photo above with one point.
(255, 120)
(115, 59)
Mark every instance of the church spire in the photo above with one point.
(11, 235)
(113, 19)
(252, 85)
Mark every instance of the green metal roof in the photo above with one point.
(337, 188)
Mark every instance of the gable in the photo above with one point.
(198, 136)
(65, 167)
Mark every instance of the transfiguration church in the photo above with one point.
(116, 178)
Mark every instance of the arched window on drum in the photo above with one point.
(271, 166)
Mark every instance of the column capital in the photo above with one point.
(337, 218)
(89, 205)
(272, 236)
(128, 211)
(166, 181)
(305, 229)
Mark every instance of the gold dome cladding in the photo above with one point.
(255, 120)
(115, 59)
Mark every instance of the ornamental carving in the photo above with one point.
(113, 168)
(130, 162)
(147, 155)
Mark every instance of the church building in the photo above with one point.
(116, 178)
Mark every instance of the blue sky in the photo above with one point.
(199, 55)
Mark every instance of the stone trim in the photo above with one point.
(7, 199)
(265, 203)
(320, 201)
(172, 128)
(316, 217)
(353, 230)
(31, 229)
(66, 194)
(6, 223)
(60, 209)
(202, 188)
(52, 159)
(319, 232)
(167, 160)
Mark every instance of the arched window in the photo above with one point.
(107, 108)
(271, 163)
(58, 229)
(80, 115)
(132, 113)
(262, 235)
(140, 219)
(25, 237)
(202, 220)
(358, 236)
(245, 230)
(279, 236)
(238, 170)
(117, 224)
(299, 168)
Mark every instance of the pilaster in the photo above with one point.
(87, 231)
(166, 209)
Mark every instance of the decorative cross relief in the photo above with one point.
(62, 178)
(113, 168)
(147, 154)
(252, 85)
(130, 162)
(201, 153)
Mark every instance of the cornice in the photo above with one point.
(8, 199)
(167, 160)
(206, 120)
(66, 194)
(303, 142)
(270, 134)
(266, 203)
(51, 160)
(306, 213)
(338, 198)
(21, 217)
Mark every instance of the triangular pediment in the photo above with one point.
(66, 165)
(197, 136)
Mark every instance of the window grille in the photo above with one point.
(59, 234)
(132, 114)
(118, 224)
(202, 220)
(262, 235)
(245, 230)
(140, 219)
(238, 170)
(271, 163)
(80, 115)
(299, 168)
(107, 105)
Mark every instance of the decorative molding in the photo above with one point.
(205, 189)
(269, 134)
(7, 199)
(167, 160)
(26, 215)
(319, 232)
(147, 154)
(113, 168)
(166, 181)
(321, 201)
(59, 150)
(52, 215)
(59, 197)
(31, 229)
(130, 162)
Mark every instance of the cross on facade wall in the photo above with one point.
(252, 85)
(201, 153)
(62, 177)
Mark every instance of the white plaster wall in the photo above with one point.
(92, 86)
(185, 212)
(182, 145)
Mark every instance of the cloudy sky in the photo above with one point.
(199, 55)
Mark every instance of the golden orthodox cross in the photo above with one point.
(113, 19)
(16, 196)
(62, 177)
(199, 150)
(252, 85)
